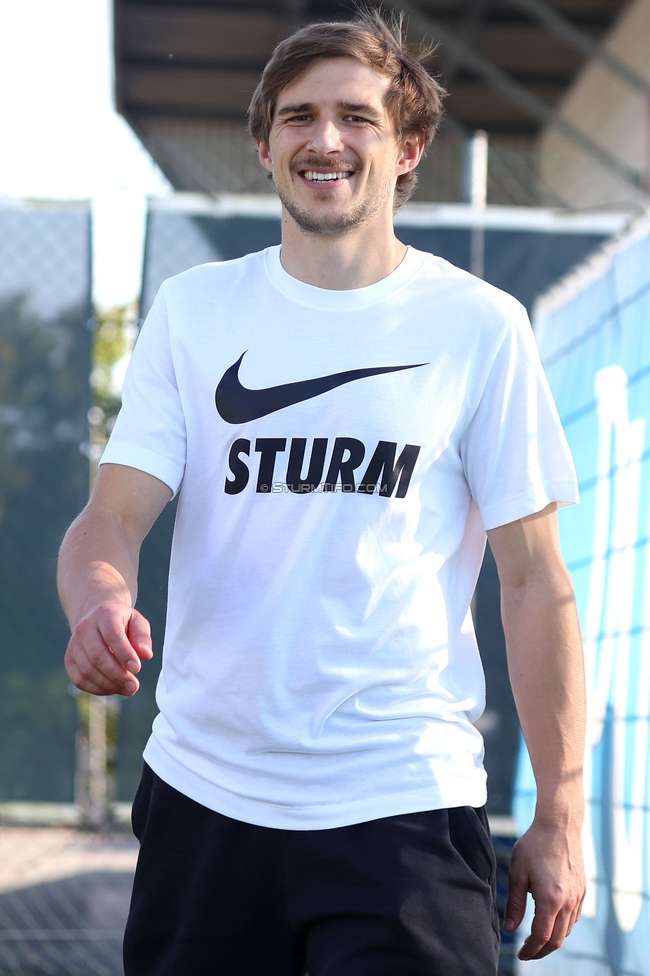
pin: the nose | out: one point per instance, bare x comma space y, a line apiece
325, 138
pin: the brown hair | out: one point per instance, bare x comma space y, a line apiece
413, 99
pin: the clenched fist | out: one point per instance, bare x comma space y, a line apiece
106, 650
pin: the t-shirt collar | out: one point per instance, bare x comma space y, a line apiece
346, 300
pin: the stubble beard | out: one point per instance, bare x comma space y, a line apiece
336, 223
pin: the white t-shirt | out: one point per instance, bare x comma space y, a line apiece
320, 666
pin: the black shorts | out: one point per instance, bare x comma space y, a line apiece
401, 896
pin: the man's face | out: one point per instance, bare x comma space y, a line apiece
333, 150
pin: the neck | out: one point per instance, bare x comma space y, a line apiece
353, 259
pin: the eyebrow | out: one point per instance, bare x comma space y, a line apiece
295, 109
356, 107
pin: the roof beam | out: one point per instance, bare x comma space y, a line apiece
177, 33
517, 93
199, 91
568, 32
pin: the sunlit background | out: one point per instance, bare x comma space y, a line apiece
61, 137
538, 182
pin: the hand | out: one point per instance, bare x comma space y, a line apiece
547, 861
106, 649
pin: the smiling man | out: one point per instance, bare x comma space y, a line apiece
345, 418
353, 159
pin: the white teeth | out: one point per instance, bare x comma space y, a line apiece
325, 177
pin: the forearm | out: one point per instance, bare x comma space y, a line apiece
547, 675
98, 569
97, 564
546, 672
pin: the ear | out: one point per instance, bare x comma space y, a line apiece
264, 154
411, 153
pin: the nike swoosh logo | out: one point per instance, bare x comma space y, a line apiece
238, 405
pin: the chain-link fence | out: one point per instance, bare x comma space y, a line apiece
595, 346
524, 250
522, 257
44, 399
45, 340
64, 897
64, 893
188, 230
209, 156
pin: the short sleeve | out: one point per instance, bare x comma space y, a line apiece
149, 432
514, 451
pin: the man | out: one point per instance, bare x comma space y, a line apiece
344, 417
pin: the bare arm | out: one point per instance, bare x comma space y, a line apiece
98, 568
547, 675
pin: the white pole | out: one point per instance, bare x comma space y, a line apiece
476, 176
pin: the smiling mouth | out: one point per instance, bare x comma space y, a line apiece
332, 177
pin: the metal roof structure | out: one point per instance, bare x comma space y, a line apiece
185, 71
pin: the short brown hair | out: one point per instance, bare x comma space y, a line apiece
413, 99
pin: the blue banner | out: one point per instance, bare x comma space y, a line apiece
594, 336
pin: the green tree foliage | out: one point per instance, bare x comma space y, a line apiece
40, 391
114, 337
44, 402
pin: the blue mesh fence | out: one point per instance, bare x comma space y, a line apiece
595, 342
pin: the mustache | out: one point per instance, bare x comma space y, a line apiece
332, 165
